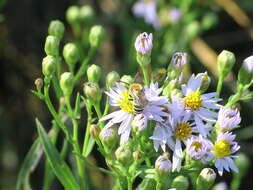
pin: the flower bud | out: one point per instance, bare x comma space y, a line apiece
94, 131
52, 46
96, 36
111, 78
144, 43
72, 14
205, 179
220, 186
48, 65
38, 83
159, 75
243, 163
109, 137
137, 155
180, 183
225, 62
205, 81
92, 92
124, 154
93, 73
71, 54
179, 59
245, 74
66, 83
209, 20
86, 14
192, 30
56, 28
126, 80
163, 166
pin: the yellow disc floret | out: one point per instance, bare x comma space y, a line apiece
193, 100
125, 103
196, 145
222, 148
183, 130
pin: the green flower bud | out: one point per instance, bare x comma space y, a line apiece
72, 14
86, 14
48, 65
39, 84
220, 186
137, 155
124, 155
209, 20
71, 54
243, 163
205, 81
163, 167
109, 137
192, 30
92, 92
56, 28
205, 179
180, 183
245, 74
159, 75
52, 45
66, 83
96, 35
225, 62
111, 78
94, 131
126, 80
94, 73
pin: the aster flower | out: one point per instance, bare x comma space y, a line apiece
147, 9
228, 119
119, 96
163, 164
144, 43
199, 148
179, 59
223, 150
199, 104
175, 15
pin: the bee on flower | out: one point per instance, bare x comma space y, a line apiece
130, 108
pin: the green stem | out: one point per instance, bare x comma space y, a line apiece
84, 66
98, 111
87, 131
219, 86
145, 74
129, 184
158, 185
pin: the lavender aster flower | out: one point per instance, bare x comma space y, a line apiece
179, 59
199, 148
175, 15
223, 150
248, 64
228, 119
143, 43
163, 164
147, 9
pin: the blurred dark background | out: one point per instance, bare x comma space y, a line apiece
22, 35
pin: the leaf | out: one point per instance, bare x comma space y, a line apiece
30, 162
78, 107
89, 147
60, 168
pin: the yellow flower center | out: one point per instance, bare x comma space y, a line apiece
125, 103
147, 1
222, 148
193, 100
196, 145
183, 130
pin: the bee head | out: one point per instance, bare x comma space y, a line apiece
135, 87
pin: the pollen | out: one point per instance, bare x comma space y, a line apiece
222, 148
183, 130
193, 100
125, 103
196, 145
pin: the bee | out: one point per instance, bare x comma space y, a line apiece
137, 96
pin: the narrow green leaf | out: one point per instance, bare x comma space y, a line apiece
60, 168
78, 106
29, 164
89, 147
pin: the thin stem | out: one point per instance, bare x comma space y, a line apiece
145, 74
158, 185
98, 111
129, 184
87, 131
219, 86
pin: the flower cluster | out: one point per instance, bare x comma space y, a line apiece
192, 120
